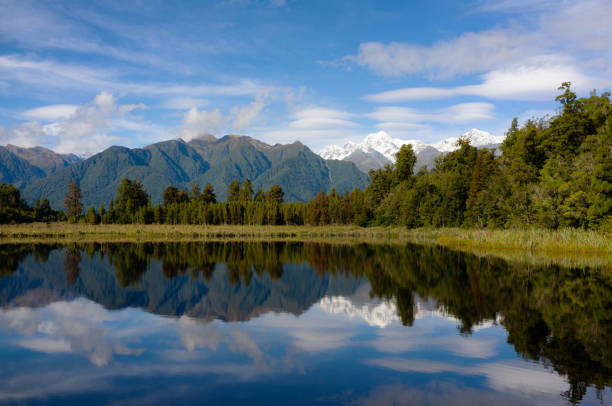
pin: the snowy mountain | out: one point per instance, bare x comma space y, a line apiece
379, 148
380, 142
478, 139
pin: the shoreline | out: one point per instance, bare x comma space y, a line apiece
568, 247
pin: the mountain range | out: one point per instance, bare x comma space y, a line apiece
40, 172
379, 149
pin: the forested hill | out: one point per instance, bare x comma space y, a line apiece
21, 166
300, 172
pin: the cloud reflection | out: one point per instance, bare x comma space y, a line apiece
75, 327
512, 376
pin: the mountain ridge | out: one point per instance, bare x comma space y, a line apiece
299, 171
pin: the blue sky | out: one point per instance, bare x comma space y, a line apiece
79, 77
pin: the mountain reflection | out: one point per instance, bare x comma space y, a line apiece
559, 317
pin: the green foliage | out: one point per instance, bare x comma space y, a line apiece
233, 191
208, 194
72, 202
553, 172
275, 194
245, 194
130, 203
91, 216
172, 194
404, 163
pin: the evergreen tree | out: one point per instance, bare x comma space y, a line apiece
259, 196
72, 202
233, 192
319, 209
91, 216
208, 194
130, 196
404, 163
194, 192
245, 193
172, 195
275, 194
43, 211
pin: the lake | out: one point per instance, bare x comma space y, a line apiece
298, 323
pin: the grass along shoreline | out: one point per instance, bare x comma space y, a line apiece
569, 247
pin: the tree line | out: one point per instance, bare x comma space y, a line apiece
551, 172
244, 206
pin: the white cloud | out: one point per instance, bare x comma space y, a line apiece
127, 108
51, 74
46, 73
403, 127
394, 116
50, 113
78, 129
313, 125
197, 123
244, 116
536, 81
584, 24
319, 118
469, 53
184, 103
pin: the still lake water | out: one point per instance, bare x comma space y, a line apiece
275, 323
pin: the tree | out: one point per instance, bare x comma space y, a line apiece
208, 194
233, 192
91, 216
130, 197
319, 209
194, 192
9, 196
379, 187
172, 194
275, 194
43, 211
72, 202
259, 196
404, 164
246, 191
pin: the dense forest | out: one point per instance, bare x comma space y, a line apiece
551, 172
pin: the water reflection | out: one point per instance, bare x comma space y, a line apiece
329, 320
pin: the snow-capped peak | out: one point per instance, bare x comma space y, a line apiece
388, 146
477, 138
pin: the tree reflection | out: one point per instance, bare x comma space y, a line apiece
72, 259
